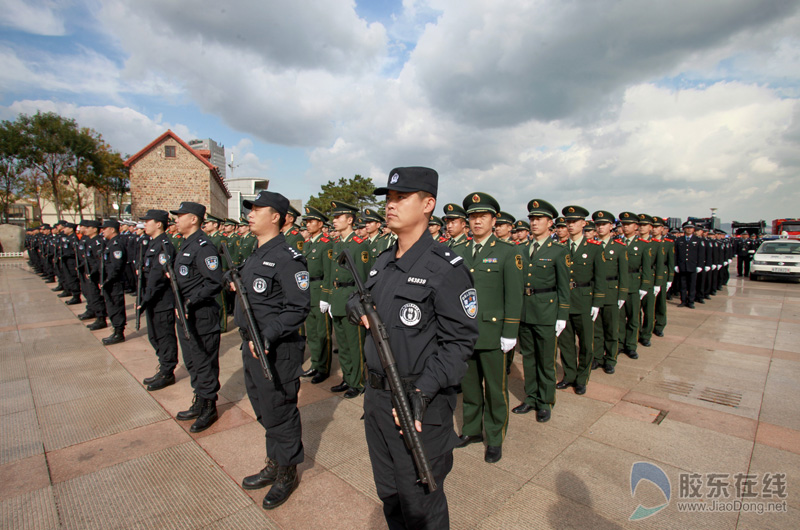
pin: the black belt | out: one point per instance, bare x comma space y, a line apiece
573, 285
634, 270
381, 382
337, 284
529, 291
612, 278
316, 278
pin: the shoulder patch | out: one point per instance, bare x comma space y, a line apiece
203, 242
294, 253
357, 239
324, 239
212, 262
294, 232
299, 245
669, 240
619, 242
518, 261
643, 240
593, 242
445, 253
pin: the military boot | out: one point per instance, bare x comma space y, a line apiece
263, 478
57, 288
88, 315
99, 323
74, 300
161, 381
114, 338
285, 484
64, 294
148, 380
193, 412
208, 415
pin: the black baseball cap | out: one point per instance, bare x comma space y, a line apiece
190, 207
411, 179
156, 215
111, 223
269, 198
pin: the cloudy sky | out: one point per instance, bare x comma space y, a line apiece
665, 107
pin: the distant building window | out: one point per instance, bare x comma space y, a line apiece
169, 151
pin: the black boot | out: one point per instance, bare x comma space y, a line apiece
263, 478
64, 294
285, 484
86, 316
114, 338
208, 415
161, 381
99, 323
57, 288
74, 300
193, 412
148, 380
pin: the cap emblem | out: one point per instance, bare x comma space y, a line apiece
307, 210
476, 198
449, 207
599, 214
571, 209
394, 179
535, 204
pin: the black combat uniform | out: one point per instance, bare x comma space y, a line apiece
112, 285
687, 265
427, 300
158, 304
199, 275
276, 280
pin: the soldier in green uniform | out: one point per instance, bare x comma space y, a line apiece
247, 242
374, 240
455, 219
174, 236
318, 322
590, 230
545, 308
211, 227
665, 270
496, 268
291, 231
587, 295
338, 285
521, 230
640, 280
614, 267
505, 223
435, 226
562, 235
649, 300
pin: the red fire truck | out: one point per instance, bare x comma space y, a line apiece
790, 226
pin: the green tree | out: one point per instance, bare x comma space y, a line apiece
12, 166
357, 191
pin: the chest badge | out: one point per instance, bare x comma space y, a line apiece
410, 314
469, 302
302, 280
584, 256
259, 285
183, 270
117, 254
635, 248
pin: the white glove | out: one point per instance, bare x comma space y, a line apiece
669, 286
507, 344
330, 311
324, 307
677, 269
642, 294
699, 269
561, 325
595, 312
620, 303
656, 290
708, 268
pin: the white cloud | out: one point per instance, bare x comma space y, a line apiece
39, 17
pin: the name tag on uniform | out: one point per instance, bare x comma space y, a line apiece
268, 263
415, 281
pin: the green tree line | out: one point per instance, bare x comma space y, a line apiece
49, 157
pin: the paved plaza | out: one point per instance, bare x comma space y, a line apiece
84, 446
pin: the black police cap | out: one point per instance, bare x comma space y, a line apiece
190, 207
411, 179
269, 198
111, 223
156, 215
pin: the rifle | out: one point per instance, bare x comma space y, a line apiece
102, 266
139, 286
399, 398
173, 281
252, 325
75, 250
86, 260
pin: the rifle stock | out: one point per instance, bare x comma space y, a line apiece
399, 398
252, 325
176, 291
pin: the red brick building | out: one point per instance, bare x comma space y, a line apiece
168, 171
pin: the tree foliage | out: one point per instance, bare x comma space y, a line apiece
357, 191
12, 166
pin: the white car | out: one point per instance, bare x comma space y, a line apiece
777, 258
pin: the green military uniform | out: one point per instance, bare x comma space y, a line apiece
640, 270
247, 243
546, 289
649, 300
588, 291
176, 239
505, 218
337, 288
614, 267
378, 243
664, 278
496, 269
318, 324
458, 243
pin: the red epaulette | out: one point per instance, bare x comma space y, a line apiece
469, 238
325, 240
563, 241
593, 242
442, 239
643, 240
294, 232
621, 242
357, 239
668, 239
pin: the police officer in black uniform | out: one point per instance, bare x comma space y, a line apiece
69, 243
112, 280
157, 299
427, 300
94, 246
199, 275
688, 253
277, 283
